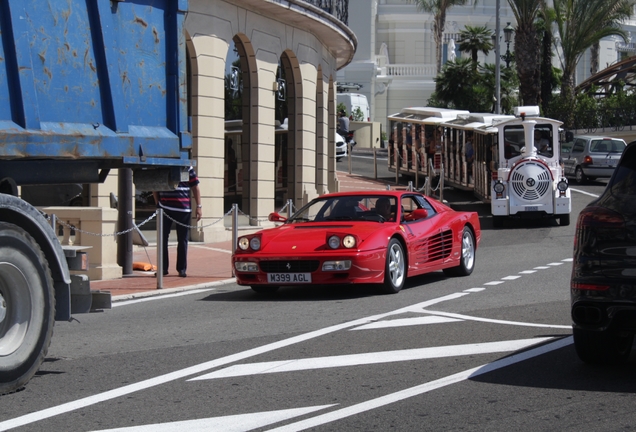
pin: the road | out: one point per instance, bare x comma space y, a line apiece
492, 351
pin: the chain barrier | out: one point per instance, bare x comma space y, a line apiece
154, 215
197, 226
439, 182
74, 228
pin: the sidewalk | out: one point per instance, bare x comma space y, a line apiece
209, 264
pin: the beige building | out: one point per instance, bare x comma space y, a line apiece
262, 93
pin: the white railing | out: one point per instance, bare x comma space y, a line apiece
408, 71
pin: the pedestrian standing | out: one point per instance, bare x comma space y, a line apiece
343, 124
176, 205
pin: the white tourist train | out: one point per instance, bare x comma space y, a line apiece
486, 154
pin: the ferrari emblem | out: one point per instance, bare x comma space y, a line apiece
293, 247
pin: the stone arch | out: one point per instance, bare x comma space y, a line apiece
331, 116
238, 184
294, 155
321, 137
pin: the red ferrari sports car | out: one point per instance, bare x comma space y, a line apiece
379, 237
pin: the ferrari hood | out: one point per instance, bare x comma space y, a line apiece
304, 238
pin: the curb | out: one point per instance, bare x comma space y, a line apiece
161, 292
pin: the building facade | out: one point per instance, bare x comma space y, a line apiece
395, 59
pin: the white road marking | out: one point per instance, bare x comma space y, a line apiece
200, 368
568, 259
541, 268
422, 388
227, 251
527, 272
584, 193
510, 278
555, 264
475, 290
494, 321
231, 423
370, 358
499, 282
403, 322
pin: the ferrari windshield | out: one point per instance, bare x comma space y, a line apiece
348, 208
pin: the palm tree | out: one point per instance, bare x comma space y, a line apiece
527, 49
455, 83
459, 86
438, 8
475, 39
580, 24
550, 76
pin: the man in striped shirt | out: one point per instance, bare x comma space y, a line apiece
176, 205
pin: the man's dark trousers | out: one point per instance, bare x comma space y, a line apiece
183, 232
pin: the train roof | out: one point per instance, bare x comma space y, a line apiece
427, 114
478, 120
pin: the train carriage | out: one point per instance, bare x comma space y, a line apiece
469, 151
487, 154
417, 139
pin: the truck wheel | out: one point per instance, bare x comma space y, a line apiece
27, 307
602, 347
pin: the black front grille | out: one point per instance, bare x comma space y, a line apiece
290, 266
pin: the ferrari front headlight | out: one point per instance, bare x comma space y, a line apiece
255, 243
334, 242
349, 241
243, 243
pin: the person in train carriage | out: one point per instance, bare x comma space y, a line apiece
469, 153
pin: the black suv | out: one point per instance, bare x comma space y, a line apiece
603, 283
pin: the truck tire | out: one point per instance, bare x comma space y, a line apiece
27, 307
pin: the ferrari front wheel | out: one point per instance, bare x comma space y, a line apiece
395, 268
467, 258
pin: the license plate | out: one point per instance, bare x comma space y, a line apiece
289, 278
531, 208
611, 163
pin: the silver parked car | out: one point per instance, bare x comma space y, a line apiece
589, 157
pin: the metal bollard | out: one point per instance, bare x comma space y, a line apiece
234, 229
375, 164
159, 248
290, 210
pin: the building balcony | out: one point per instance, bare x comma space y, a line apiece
337, 8
406, 72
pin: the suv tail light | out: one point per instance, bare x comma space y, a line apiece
592, 219
600, 217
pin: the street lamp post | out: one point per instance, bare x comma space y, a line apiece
497, 60
508, 56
